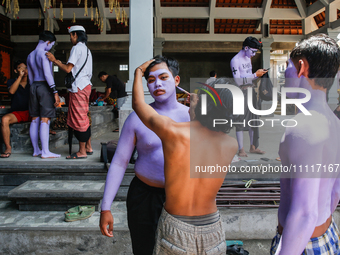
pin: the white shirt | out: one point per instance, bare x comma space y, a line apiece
77, 58
211, 79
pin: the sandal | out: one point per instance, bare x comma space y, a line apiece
79, 213
75, 156
5, 155
236, 250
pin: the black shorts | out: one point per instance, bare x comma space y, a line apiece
41, 103
144, 207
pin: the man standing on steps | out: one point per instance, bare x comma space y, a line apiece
310, 192
43, 94
146, 194
241, 68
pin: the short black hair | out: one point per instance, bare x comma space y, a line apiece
171, 63
251, 42
224, 111
82, 36
47, 36
323, 56
17, 63
101, 74
212, 73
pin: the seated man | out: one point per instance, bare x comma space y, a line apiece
190, 222
310, 193
20, 90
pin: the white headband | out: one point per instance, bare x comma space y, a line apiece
76, 28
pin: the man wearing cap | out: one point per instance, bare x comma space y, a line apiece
242, 72
43, 95
77, 117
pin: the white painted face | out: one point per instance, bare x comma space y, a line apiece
250, 52
161, 83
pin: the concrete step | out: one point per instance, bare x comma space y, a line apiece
56, 195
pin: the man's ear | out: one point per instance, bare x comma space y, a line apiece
177, 80
246, 48
15, 70
303, 68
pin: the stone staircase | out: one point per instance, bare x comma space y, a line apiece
17, 174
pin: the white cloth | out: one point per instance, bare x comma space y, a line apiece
211, 79
77, 58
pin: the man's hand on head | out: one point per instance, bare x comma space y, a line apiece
145, 65
260, 72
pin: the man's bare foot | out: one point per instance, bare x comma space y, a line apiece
37, 153
242, 153
257, 150
50, 155
52, 132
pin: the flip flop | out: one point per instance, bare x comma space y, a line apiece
75, 156
89, 152
116, 130
5, 155
236, 250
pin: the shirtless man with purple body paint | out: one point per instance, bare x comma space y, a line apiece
43, 94
242, 72
308, 199
146, 194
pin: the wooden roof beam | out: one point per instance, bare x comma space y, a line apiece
211, 22
301, 5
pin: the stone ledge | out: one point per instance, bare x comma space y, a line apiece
57, 195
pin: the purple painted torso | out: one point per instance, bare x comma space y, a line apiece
306, 203
150, 163
38, 65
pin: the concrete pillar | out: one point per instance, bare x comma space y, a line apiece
266, 43
140, 49
158, 46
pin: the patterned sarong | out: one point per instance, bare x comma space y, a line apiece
327, 244
78, 108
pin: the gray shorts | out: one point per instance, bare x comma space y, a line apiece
175, 237
120, 102
41, 103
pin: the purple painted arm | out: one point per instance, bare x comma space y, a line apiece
29, 70
47, 69
304, 192
121, 158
